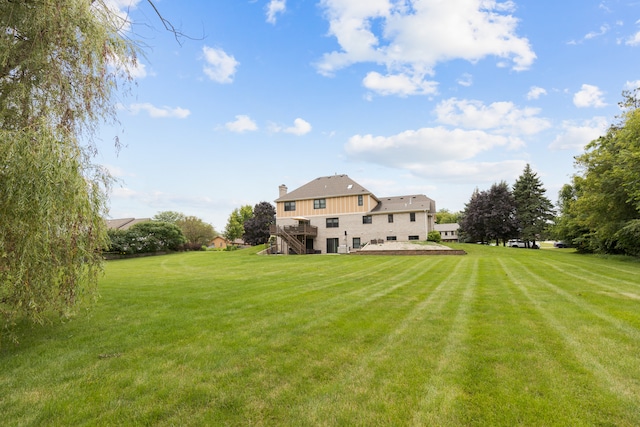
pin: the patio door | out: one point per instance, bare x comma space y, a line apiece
332, 245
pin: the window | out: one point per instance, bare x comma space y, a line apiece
360, 200
289, 206
412, 216
367, 219
414, 237
319, 203
390, 217
332, 222
356, 243
391, 238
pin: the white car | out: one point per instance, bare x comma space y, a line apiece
517, 243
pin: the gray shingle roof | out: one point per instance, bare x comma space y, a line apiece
325, 186
124, 223
416, 202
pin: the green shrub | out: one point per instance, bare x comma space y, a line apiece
434, 236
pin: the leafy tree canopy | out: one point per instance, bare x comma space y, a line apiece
197, 232
256, 228
444, 216
169, 216
60, 65
235, 224
600, 209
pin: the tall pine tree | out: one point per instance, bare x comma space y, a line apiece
534, 210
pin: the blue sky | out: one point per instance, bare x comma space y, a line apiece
406, 97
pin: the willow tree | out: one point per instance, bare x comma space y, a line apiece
61, 63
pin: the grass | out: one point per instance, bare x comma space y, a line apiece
500, 336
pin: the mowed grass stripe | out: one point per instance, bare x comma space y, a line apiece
608, 356
443, 389
590, 296
400, 360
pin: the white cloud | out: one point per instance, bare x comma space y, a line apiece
221, 66
116, 12
500, 117
300, 127
634, 40
274, 8
410, 39
604, 29
465, 80
589, 96
575, 135
398, 84
241, 124
425, 146
631, 85
157, 112
536, 92
133, 67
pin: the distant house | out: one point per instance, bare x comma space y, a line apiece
124, 223
219, 242
448, 232
334, 214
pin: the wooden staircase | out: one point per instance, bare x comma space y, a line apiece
295, 237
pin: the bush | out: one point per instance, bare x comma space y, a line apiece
434, 236
144, 237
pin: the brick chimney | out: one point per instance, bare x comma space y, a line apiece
283, 190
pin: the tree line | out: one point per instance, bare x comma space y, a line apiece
503, 212
600, 207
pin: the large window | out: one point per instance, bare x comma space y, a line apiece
332, 223
412, 216
390, 217
289, 206
319, 203
360, 200
367, 219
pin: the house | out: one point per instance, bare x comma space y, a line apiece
219, 242
124, 223
448, 232
334, 214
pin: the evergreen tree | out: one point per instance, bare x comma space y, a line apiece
534, 211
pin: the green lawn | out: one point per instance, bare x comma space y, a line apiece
500, 336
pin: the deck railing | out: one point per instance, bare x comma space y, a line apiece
296, 230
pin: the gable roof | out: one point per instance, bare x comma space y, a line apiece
416, 202
124, 223
326, 186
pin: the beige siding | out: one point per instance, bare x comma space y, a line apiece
334, 206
